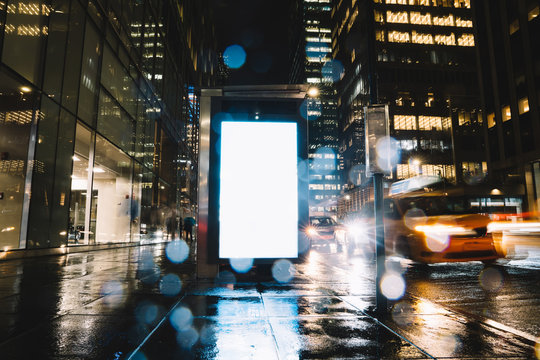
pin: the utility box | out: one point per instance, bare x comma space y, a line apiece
253, 179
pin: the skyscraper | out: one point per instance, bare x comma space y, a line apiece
312, 64
509, 66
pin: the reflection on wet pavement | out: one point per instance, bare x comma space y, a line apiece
137, 303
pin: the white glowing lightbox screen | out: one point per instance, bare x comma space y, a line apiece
258, 200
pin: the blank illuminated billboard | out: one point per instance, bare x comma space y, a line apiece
258, 199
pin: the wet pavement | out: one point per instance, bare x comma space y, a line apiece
145, 302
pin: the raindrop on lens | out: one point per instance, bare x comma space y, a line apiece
146, 312
225, 277
241, 265
491, 279
170, 285
112, 292
403, 313
234, 56
181, 318
332, 71
393, 286
187, 338
283, 270
177, 251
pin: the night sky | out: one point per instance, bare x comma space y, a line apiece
261, 28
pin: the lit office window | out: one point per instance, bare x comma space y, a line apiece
533, 13
445, 39
462, 4
446, 123
379, 17
429, 122
491, 120
404, 122
506, 113
447, 20
419, 38
400, 17
466, 40
408, 145
379, 35
464, 118
399, 37
513, 27
463, 22
420, 19
523, 105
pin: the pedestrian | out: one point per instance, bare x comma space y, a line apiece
189, 222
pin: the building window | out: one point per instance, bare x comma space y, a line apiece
523, 105
533, 13
404, 122
429, 122
447, 20
445, 39
491, 120
419, 38
399, 37
420, 19
463, 22
400, 17
506, 113
513, 27
466, 40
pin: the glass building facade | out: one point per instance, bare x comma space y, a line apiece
312, 64
508, 34
98, 118
417, 56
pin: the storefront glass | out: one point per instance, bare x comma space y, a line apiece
111, 190
16, 117
81, 179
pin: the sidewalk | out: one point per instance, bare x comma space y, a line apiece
135, 303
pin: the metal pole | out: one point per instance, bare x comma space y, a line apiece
381, 302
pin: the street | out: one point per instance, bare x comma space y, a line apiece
144, 303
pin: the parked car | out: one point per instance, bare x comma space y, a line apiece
324, 231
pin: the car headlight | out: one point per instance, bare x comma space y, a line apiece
311, 231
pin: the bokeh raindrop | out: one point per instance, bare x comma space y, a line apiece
181, 318
332, 71
283, 270
403, 313
324, 161
187, 338
146, 312
234, 56
388, 153
112, 292
311, 109
392, 286
170, 285
225, 277
241, 265
177, 251
490, 279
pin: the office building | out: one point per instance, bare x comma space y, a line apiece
507, 33
99, 118
312, 64
418, 57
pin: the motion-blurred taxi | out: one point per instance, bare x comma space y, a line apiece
428, 227
514, 233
